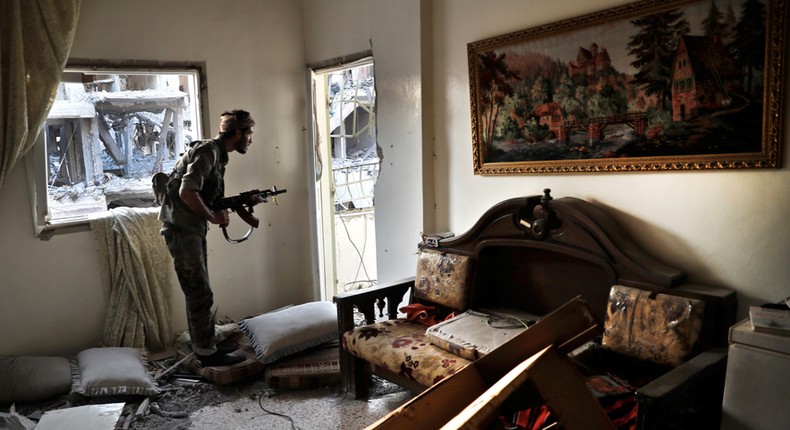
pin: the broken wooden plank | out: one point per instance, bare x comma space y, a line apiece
142, 410
556, 381
566, 328
172, 368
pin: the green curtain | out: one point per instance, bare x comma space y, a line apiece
35, 41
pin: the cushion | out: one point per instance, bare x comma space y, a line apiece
277, 334
223, 375
442, 278
30, 379
312, 368
402, 346
473, 334
660, 328
110, 372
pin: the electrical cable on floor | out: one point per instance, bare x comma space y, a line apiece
291, 420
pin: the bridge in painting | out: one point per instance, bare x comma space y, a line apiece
594, 127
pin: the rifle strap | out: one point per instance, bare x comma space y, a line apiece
242, 239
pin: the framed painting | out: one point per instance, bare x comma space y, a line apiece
649, 86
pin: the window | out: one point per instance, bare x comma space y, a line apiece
108, 131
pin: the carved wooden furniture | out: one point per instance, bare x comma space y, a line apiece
526, 369
535, 254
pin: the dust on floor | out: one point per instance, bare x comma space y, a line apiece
197, 405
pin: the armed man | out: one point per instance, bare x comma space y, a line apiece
197, 181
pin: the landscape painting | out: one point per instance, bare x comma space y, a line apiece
653, 85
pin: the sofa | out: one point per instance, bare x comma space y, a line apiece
529, 256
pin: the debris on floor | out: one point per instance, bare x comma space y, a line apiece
90, 417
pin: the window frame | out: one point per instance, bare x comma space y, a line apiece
35, 160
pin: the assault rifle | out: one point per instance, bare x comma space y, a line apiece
242, 204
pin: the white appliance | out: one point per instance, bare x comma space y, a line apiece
757, 387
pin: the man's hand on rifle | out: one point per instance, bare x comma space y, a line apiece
256, 198
220, 217
195, 202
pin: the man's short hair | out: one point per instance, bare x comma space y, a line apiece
230, 121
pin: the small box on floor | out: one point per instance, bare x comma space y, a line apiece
315, 367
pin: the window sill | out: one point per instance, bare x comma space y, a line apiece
47, 231
81, 222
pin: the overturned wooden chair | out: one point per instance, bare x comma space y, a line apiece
530, 369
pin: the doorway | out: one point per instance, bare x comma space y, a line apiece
346, 168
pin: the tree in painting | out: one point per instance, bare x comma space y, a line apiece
662, 84
653, 48
713, 24
495, 87
749, 41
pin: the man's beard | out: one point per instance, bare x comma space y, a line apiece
241, 147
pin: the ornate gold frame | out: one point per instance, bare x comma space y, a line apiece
535, 40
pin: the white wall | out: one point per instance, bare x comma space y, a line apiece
396, 34
725, 228
394, 31
51, 298
333, 29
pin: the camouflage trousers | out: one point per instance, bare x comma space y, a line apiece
189, 257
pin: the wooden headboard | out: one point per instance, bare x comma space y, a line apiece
536, 253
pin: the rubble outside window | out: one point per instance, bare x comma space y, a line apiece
108, 132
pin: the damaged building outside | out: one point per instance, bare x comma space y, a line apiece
107, 134
350, 122
109, 131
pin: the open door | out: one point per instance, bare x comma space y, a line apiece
346, 168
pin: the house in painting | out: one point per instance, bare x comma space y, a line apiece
704, 77
550, 115
590, 61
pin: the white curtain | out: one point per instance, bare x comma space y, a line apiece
35, 41
136, 269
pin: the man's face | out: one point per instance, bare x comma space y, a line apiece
244, 141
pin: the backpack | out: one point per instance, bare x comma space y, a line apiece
159, 183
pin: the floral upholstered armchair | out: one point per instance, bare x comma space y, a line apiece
530, 255
398, 348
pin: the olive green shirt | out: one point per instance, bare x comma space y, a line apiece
202, 169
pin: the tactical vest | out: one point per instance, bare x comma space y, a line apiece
167, 186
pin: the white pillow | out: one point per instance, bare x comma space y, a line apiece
110, 372
283, 332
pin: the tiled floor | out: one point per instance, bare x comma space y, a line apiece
319, 408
